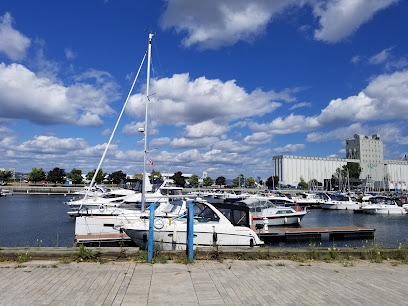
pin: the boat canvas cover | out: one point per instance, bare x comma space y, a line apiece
237, 214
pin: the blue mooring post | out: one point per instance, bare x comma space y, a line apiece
150, 238
190, 232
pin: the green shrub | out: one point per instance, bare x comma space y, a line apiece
23, 257
86, 254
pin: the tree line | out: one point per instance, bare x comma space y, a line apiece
59, 176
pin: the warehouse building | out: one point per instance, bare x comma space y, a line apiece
366, 150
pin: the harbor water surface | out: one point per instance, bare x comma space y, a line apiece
42, 220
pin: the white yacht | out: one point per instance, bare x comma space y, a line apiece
111, 198
382, 205
226, 226
132, 202
103, 226
309, 199
264, 211
340, 202
94, 191
5, 192
223, 196
280, 199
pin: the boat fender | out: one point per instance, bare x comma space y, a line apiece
158, 223
214, 238
144, 238
251, 242
297, 208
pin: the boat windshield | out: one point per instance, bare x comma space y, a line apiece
339, 197
165, 191
259, 205
202, 213
381, 201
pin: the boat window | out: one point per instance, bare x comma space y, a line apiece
240, 217
207, 215
270, 205
236, 217
281, 212
226, 213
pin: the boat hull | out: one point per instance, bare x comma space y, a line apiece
279, 220
340, 206
173, 236
384, 211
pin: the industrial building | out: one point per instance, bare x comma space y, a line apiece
368, 151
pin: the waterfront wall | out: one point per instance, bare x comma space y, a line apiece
43, 189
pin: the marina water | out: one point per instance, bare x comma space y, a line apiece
42, 220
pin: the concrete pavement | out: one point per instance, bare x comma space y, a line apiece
262, 282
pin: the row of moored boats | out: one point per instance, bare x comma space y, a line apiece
104, 216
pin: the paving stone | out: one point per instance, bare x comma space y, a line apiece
204, 283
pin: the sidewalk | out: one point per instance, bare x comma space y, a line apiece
262, 282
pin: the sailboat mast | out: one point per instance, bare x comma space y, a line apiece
145, 125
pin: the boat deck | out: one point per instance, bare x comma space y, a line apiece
283, 234
104, 240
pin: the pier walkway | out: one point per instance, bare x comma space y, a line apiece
262, 282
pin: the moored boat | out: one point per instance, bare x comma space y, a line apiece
382, 205
5, 192
226, 225
263, 211
340, 202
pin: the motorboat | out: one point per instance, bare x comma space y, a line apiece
382, 205
111, 198
102, 226
214, 225
222, 196
264, 211
132, 201
93, 191
340, 201
5, 192
280, 199
309, 199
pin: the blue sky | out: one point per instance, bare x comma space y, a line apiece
235, 82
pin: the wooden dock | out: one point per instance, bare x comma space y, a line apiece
284, 234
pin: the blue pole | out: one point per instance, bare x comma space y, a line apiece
190, 232
150, 238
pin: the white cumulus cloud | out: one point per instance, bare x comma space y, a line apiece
386, 97
216, 23
290, 124
205, 128
289, 148
203, 142
212, 23
181, 101
25, 95
52, 144
12, 42
340, 18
